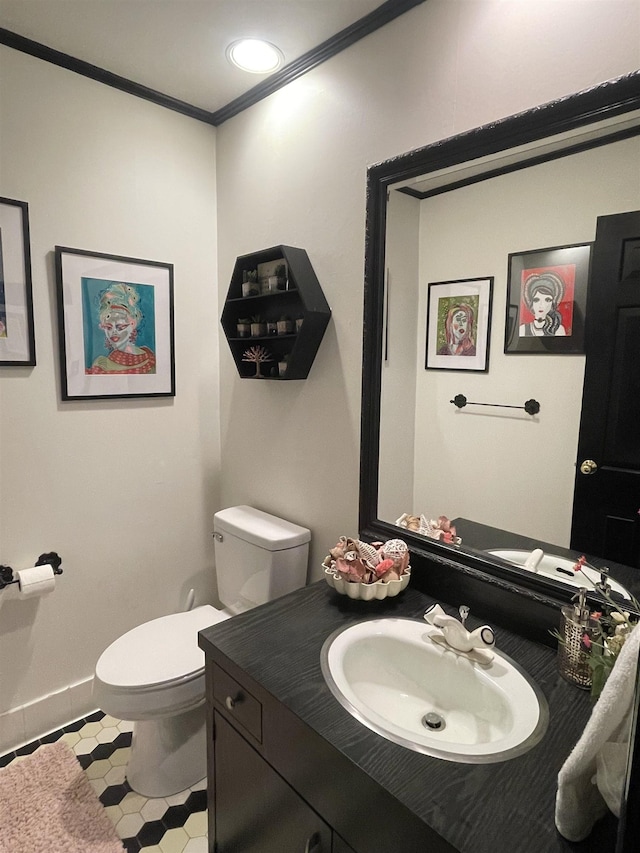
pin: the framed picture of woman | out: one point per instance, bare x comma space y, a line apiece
17, 340
546, 300
458, 324
116, 326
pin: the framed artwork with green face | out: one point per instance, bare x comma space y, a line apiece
116, 326
458, 324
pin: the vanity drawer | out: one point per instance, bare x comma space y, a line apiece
238, 704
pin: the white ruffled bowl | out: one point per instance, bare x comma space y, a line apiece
366, 591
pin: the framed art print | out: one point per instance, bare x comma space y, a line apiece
17, 342
458, 324
116, 326
547, 300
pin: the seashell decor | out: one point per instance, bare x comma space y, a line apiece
368, 570
440, 528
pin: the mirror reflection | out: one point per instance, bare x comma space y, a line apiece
504, 477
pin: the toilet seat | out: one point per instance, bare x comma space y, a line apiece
156, 668
161, 651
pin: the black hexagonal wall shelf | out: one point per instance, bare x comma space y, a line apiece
275, 314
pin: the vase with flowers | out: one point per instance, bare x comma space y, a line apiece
590, 641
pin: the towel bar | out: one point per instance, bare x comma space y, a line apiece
531, 407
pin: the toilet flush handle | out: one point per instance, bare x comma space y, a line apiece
218, 537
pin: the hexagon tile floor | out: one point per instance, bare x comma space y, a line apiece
176, 824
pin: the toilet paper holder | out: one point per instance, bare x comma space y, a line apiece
51, 558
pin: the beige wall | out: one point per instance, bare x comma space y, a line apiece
500, 467
496, 466
293, 170
124, 490
400, 358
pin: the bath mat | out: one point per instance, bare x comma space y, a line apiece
47, 805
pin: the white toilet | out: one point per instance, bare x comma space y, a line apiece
154, 674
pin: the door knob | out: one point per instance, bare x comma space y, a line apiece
588, 467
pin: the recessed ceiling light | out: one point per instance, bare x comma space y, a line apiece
255, 55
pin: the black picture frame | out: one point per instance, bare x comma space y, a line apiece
472, 298
116, 326
17, 338
556, 279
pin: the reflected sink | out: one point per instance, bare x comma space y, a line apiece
394, 679
559, 568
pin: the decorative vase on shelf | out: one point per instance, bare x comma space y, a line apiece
250, 283
285, 326
282, 282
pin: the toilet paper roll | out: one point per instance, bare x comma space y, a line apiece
39, 580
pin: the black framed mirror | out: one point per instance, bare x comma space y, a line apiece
545, 137
581, 129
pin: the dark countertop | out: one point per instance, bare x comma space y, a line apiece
484, 808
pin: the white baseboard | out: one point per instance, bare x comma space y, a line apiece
26, 723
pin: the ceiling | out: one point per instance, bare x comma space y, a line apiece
177, 47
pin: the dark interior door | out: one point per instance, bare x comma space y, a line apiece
606, 521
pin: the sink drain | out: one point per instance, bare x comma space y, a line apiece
433, 721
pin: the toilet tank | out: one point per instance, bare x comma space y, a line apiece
259, 557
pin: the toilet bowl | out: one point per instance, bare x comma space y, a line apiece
154, 676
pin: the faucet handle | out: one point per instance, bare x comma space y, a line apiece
603, 585
463, 610
433, 611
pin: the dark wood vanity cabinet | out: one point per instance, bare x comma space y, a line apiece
290, 770
252, 809
256, 810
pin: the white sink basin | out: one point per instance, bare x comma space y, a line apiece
560, 569
390, 675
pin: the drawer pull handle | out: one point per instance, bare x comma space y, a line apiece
314, 844
232, 701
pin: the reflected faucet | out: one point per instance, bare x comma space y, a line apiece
534, 559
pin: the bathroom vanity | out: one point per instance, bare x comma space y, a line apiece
291, 770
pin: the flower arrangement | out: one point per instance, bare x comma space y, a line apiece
361, 562
614, 626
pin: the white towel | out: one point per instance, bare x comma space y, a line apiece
593, 776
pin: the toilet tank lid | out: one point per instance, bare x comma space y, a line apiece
260, 528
